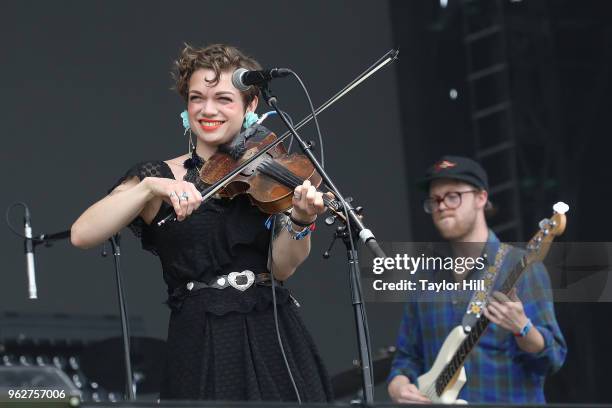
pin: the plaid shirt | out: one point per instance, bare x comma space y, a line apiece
497, 369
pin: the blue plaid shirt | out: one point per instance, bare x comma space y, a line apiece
497, 369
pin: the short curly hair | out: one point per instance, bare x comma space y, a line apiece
217, 57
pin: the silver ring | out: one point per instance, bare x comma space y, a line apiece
173, 194
297, 195
184, 196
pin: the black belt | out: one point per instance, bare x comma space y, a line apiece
238, 280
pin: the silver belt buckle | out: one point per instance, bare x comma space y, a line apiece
232, 279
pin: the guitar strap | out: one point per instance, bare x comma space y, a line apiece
479, 299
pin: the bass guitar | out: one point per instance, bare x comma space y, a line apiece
442, 383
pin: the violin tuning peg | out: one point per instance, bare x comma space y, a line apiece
348, 199
359, 210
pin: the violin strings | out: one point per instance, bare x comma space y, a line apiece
279, 173
283, 175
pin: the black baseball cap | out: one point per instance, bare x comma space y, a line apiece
457, 168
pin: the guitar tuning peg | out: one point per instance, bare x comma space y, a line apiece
544, 223
560, 207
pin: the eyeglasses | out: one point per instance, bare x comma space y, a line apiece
451, 200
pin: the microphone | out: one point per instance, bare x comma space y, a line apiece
29, 251
243, 78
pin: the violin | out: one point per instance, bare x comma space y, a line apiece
269, 180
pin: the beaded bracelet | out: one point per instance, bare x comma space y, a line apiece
297, 235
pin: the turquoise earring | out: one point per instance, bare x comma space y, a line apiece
185, 117
249, 119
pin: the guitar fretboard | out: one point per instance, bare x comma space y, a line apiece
477, 331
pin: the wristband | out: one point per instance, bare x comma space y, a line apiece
525, 329
299, 223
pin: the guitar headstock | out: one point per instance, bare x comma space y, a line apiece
552, 227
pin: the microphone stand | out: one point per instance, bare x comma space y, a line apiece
352, 221
31, 243
48, 240
125, 327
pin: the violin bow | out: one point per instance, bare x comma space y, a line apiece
389, 57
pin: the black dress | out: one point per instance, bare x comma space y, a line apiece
222, 343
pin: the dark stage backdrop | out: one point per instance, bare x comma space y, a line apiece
85, 95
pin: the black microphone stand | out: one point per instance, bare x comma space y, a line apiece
125, 327
48, 240
33, 242
352, 222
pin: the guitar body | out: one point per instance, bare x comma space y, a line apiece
427, 382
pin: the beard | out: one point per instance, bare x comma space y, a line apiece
455, 228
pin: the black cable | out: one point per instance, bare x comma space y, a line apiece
290, 120
314, 116
348, 223
287, 116
8, 221
350, 234
273, 286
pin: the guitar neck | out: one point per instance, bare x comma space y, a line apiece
477, 331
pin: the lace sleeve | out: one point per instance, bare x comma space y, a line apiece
142, 170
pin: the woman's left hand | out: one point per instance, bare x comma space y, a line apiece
507, 312
307, 203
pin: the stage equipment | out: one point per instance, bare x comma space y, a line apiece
30, 243
71, 343
100, 360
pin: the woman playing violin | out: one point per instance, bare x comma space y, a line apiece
222, 336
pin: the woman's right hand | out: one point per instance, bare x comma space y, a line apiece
182, 195
402, 391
